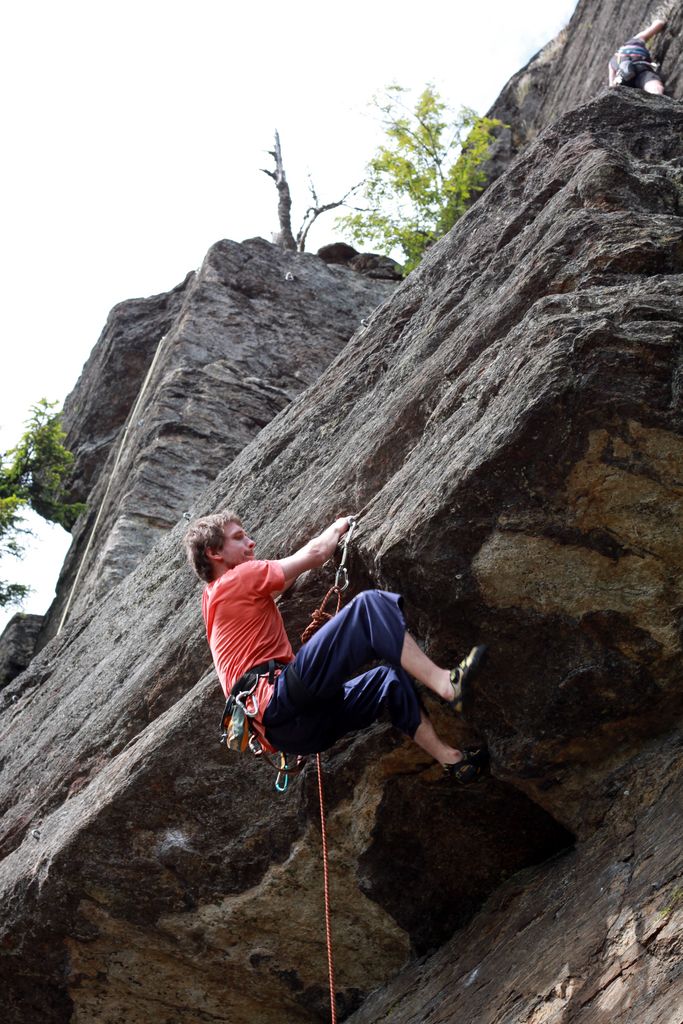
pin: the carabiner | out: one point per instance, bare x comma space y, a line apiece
242, 699
341, 575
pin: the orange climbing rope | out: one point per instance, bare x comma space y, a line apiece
318, 619
326, 881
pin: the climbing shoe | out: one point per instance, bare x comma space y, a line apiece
462, 673
474, 765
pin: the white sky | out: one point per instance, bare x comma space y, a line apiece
134, 132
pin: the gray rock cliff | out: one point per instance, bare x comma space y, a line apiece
178, 384
510, 428
572, 69
96, 410
17, 645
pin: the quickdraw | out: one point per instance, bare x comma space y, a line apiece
341, 581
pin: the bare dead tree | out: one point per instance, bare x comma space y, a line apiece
313, 212
285, 238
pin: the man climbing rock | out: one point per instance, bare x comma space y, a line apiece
632, 64
304, 704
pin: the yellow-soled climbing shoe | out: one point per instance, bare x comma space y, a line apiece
462, 673
474, 765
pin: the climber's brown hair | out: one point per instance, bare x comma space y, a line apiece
207, 532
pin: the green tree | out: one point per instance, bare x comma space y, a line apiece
32, 475
424, 177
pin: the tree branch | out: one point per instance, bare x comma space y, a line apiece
313, 212
284, 238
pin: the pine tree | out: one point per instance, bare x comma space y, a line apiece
32, 475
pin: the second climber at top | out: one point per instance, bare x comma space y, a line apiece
632, 64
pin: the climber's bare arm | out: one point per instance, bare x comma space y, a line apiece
651, 30
612, 76
315, 553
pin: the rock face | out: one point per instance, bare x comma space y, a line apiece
572, 69
97, 408
510, 428
593, 937
178, 384
17, 644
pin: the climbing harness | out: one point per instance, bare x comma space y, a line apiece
627, 69
241, 706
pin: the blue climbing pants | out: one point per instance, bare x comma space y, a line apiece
369, 628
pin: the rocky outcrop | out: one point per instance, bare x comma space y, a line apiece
96, 410
372, 264
178, 384
572, 69
17, 644
593, 937
510, 428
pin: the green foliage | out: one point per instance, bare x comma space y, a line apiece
32, 475
423, 179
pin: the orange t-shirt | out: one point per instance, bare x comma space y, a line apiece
243, 624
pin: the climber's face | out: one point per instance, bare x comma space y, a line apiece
237, 547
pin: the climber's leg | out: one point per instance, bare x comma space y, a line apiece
654, 86
427, 738
371, 627
359, 703
417, 664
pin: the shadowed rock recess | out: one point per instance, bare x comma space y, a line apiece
509, 426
